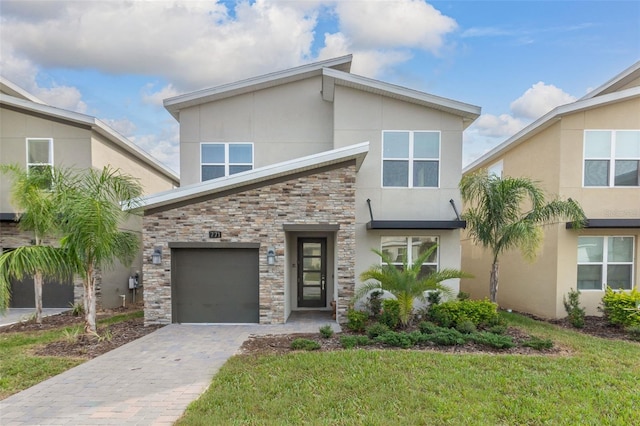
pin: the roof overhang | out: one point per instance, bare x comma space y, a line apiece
16, 91
260, 175
333, 77
416, 224
620, 80
608, 223
177, 103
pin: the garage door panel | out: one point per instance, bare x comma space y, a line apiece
215, 285
54, 294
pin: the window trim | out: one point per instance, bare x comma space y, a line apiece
605, 262
50, 163
411, 159
611, 158
226, 164
409, 240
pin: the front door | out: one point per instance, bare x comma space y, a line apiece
312, 272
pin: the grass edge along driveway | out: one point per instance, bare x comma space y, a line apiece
598, 384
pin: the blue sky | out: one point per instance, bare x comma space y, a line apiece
117, 60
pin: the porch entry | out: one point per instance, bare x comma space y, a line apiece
312, 272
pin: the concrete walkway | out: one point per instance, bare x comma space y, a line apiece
14, 315
149, 381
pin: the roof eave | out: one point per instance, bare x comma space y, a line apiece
619, 80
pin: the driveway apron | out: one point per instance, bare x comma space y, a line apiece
149, 381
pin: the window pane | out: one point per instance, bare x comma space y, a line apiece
620, 249
240, 153
213, 153
597, 144
395, 145
421, 244
312, 263
596, 173
395, 173
628, 144
394, 247
426, 270
626, 173
312, 278
44, 176
425, 173
212, 172
237, 169
589, 277
39, 151
619, 277
312, 249
590, 249
311, 293
426, 145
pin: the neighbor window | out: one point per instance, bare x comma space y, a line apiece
39, 155
605, 261
410, 159
225, 159
397, 248
611, 158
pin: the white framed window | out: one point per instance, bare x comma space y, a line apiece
218, 159
611, 158
40, 155
410, 159
605, 260
396, 248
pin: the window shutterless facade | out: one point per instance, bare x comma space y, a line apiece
410, 159
224, 159
396, 248
611, 158
40, 156
606, 260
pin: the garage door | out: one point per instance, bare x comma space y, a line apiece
215, 285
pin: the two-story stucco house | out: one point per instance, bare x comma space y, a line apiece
34, 134
289, 180
588, 150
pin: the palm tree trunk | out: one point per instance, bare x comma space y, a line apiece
493, 282
37, 290
90, 303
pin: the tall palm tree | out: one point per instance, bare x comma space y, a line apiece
507, 213
92, 206
32, 195
405, 283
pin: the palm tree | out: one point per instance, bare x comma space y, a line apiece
92, 206
32, 195
405, 283
506, 213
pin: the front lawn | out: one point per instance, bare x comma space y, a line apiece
597, 383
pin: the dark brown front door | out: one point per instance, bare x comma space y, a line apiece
312, 272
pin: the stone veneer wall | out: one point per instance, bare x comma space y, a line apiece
257, 215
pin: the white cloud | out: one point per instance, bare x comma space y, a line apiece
124, 126
502, 125
164, 146
156, 98
539, 100
65, 97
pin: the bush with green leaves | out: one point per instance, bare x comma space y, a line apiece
466, 327
305, 345
400, 339
463, 296
356, 320
575, 312
497, 329
427, 327
634, 332
493, 340
375, 330
434, 297
326, 331
622, 308
351, 341
538, 343
390, 315
375, 303
449, 314
447, 337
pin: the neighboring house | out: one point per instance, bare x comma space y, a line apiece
34, 134
588, 150
289, 180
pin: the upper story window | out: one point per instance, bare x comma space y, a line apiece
396, 248
611, 158
224, 159
605, 261
410, 159
40, 156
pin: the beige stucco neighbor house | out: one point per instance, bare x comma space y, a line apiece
588, 150
289, 180
34, 134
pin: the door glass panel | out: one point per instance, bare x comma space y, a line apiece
312, 263
311, 278
311, 293
312, 249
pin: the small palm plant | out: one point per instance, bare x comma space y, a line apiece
406, 283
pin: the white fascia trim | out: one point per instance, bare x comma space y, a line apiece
353, 152
624, 77
176, 103
17, 91
458, 108
94, 124
548, 119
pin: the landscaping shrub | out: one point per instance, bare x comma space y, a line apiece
622, 308
538, 343
375, 303
326, 331
466, 327
463, 296
305, 345
493, 340
575, 312
634, 332
356, 320
390, 313
447, 337
376, 330
350, 342
434, 297
450, 314
497, 329
399, 339
428, 327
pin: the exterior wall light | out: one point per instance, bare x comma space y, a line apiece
156, 257
271, 256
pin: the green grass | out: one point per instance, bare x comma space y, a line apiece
21, 369
595, 384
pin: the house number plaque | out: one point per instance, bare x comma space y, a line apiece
215, 234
